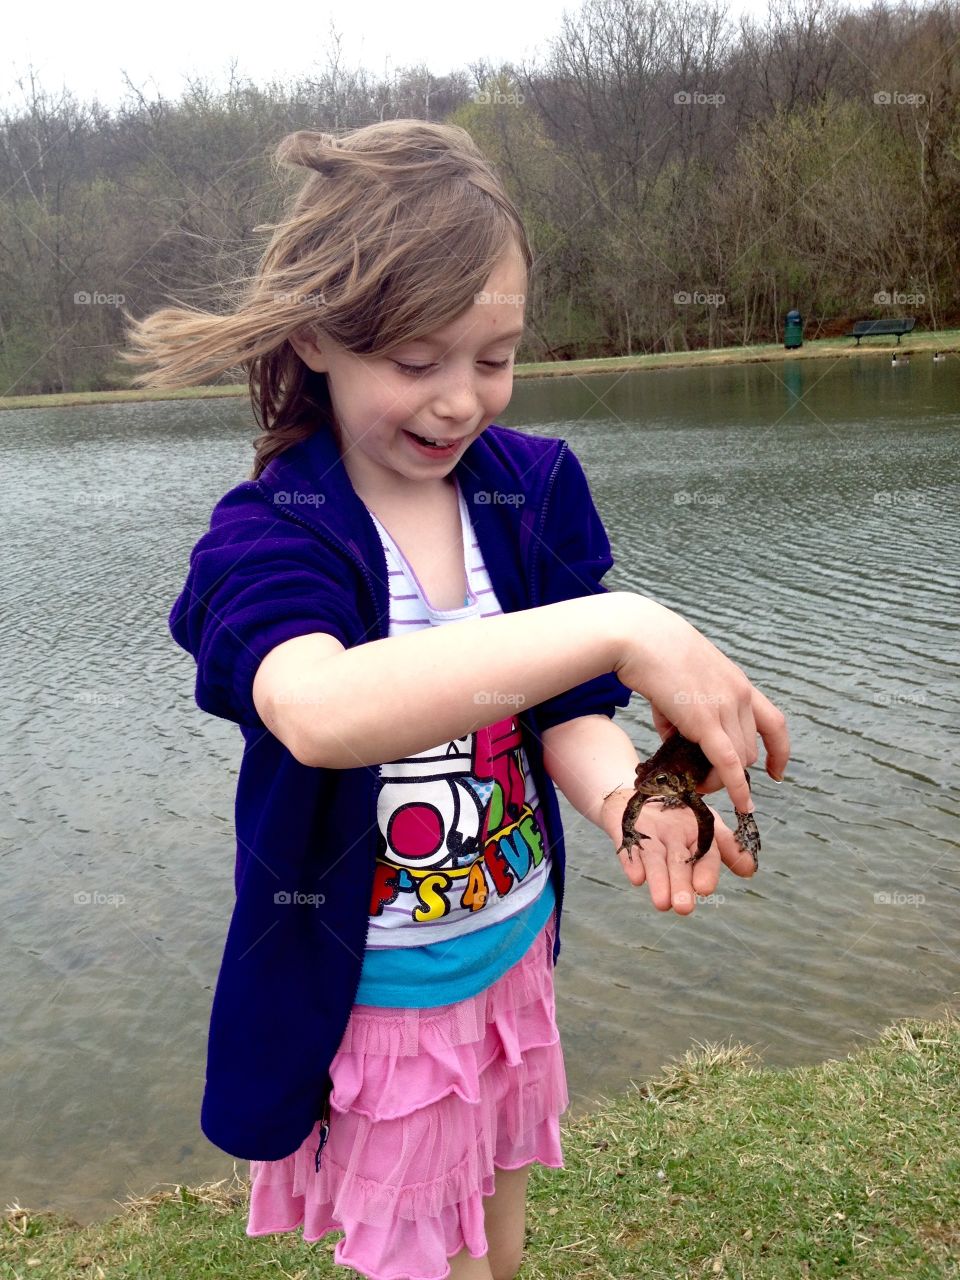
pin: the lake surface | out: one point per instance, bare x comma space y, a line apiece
804, 515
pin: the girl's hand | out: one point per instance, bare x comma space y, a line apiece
691, 685
662, 859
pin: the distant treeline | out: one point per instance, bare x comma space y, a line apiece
686, 181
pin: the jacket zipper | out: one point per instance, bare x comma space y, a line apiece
324, 1126
534, 599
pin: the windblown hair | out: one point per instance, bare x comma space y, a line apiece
392, 233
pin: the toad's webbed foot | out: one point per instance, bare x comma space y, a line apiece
748, 837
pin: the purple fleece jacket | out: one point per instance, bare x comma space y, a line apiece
296, 552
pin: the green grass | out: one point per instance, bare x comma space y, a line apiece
946, 340
718, 1167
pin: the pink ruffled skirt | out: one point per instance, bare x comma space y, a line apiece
426, 1105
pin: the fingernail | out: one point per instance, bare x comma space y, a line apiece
776, 779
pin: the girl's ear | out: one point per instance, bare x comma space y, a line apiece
305, 342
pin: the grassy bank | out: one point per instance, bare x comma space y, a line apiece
718, 1167
945, 340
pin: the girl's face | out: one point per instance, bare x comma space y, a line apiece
446, 388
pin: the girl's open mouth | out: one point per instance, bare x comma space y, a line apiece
435, 447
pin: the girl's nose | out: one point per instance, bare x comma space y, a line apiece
457, 400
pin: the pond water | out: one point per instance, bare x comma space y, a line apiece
804, 515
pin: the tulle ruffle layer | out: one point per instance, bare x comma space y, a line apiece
426, 1105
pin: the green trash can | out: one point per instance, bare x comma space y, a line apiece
793, 330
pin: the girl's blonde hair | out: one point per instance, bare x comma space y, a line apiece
391, 236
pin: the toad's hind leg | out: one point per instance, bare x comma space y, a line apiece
705, 826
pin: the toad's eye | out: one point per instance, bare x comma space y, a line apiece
662, 779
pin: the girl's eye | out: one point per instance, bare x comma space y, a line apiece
414, 369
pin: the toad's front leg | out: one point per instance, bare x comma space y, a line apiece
631, 836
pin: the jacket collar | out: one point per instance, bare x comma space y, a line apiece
504, 476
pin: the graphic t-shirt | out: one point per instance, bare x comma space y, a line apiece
462, 883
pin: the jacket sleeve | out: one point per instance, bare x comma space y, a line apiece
255, 580
574, 557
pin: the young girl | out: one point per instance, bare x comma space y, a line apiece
402, 610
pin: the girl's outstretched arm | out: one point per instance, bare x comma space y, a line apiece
340, 708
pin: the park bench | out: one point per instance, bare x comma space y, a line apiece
867, 328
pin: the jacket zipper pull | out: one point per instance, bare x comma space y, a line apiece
324, 1130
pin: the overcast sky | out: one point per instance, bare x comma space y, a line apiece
87, 48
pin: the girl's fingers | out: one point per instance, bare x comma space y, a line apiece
723, 754
748, 733
738, 860
653, 854
772, 727
661, 723
632, 864
706, 870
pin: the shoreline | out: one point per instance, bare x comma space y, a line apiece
718, 1165
946, 341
